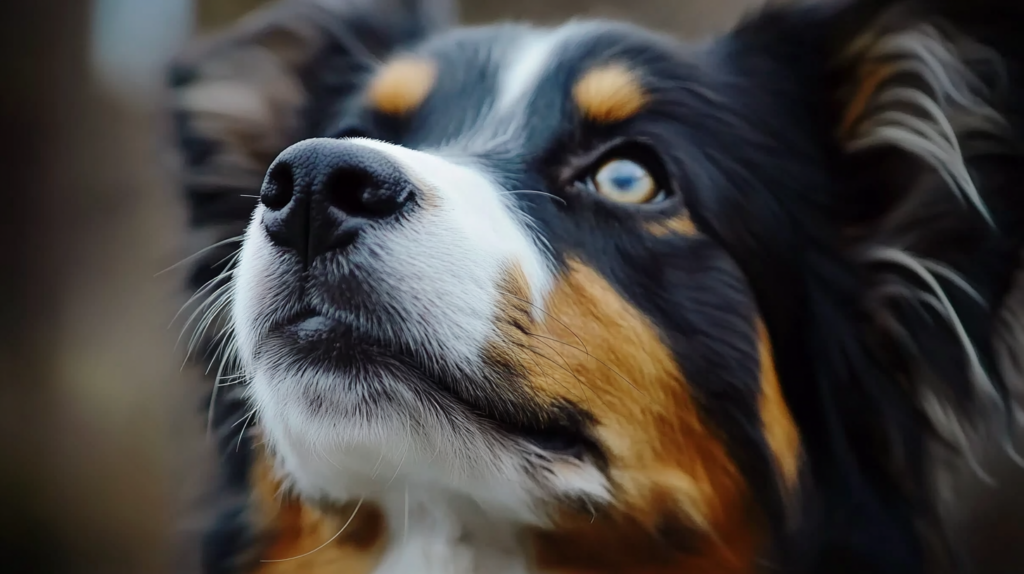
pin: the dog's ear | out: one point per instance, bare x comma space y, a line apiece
243, 95
884, 241
932, 127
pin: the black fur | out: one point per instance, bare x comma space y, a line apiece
844, 377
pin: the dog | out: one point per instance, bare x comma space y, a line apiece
590, 298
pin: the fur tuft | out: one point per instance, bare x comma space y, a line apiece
928, 93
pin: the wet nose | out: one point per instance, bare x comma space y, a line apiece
319, 194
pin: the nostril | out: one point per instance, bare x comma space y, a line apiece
357, 193
278, 187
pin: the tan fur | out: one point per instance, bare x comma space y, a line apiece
609, 93
402, 85
296, 528
870, 79
776, 420
678, 225
617, 543
668, 470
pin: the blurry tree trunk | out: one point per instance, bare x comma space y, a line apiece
212, 14
81, 408
685, 18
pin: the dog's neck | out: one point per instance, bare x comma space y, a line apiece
387, 526
432, 532
415, 528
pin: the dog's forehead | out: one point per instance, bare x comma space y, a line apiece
504, 92
522, 48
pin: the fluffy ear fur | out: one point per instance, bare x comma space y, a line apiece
886, 271
239, 99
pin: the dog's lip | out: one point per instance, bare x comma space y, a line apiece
306, 322
311, 326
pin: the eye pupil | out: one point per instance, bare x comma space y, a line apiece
625, 181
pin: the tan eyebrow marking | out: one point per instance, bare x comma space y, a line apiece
402, 85
609, 93
678, 225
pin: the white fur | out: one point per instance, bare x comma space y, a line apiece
523, 66
448, 535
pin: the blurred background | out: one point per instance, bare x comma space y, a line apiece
102, 431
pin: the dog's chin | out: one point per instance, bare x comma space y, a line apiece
348, 417
324, 342
359, 388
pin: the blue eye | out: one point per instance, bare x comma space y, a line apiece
625, 181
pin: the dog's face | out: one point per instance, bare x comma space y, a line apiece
540, 272
488, 281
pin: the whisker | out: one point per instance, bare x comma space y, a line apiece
211, 409
199, 293
224, 337
571, 372
587, 353
241, 435
545, 372
530, 221
212, 299
244, 418
584, 350
405, 451
202, 291
531, 191
200, 252
210, 309
212, 312
228, 356
376, 467
230, 259
549, 315
332, 539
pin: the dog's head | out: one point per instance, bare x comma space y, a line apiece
672, 303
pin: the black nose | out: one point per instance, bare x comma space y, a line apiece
320, 193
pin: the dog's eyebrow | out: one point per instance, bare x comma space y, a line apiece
609, 93
401, 85
678, 225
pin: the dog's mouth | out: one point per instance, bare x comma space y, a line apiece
494, 403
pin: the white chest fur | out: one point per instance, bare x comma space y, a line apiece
436, 533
